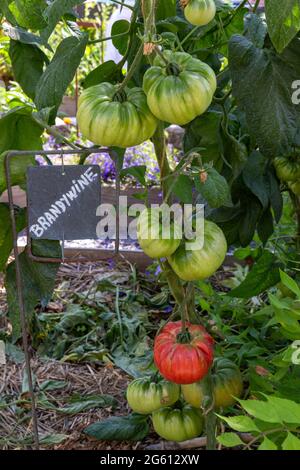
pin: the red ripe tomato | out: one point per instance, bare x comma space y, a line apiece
183, 357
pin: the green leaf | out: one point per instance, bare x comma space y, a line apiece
107, 72
165, 9
87, 403
230, 439
182, 187
51, 439
215, 189
204, 132
6, 242
275, 195
249, 219
18, 131
4, 9
29, 13
256, 29
264, 274
283, 20
261, 410
240, 423
118, 428
289, 283
137, 171
265, 226
20, 34
14, 353
267, 444
287, 410
60, 72
49, 385
273, 120
55, 11
291, 442
27, 62
38, 281
253, 176
120, 27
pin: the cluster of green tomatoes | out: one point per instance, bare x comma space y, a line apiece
176, 89
176, 409
288, 171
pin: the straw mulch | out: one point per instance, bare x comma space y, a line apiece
82, 380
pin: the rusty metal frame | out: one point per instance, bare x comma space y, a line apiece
20, 295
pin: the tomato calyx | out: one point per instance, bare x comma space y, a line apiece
184, 337
120, 96
173, 69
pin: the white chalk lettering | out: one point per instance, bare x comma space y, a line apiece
50, 218
60, 206
43, 222
72, 194
36, 230
90, 176
54, 210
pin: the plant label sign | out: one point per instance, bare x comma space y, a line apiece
62, 201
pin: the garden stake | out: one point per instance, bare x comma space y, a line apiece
21, 299
7, 158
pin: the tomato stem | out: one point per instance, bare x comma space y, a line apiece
132, 69
210, 416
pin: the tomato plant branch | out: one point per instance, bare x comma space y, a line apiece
125, 5
55, 133
209, 413
96, 41
132, 69
296, 204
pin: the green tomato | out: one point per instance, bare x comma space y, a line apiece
179, 92
200, 12
175, 424
111, 118
145, 396
227, 384
295, 187
198, 264
287, 168
151, 236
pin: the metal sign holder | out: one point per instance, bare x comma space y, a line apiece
20, 294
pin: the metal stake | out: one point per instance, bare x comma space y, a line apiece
21, 303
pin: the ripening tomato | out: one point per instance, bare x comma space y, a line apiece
146, 395
180, 90
199, 12
295, 187
155, 237
183, 357
111, 118
288, 168
198, 264
227, 384
178, 424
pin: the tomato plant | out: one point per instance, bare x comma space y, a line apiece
183, 353
147, 395
227, 385
178, 424
228, 76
